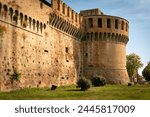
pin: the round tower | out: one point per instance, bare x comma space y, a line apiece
104, 46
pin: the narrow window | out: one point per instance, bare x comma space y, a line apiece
5, 11
90, 23
63, 8
37, 26
41, 27
67, 50
126, 26
86, 54
41, 5
76, 17
116, 24
108, 23
72, 15
11, 13
15, 17
25, 21
44, 26
30, 21
122, 25
33, 24
21, 19
68, 12
100, 22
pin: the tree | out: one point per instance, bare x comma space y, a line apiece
133, 64
146, 72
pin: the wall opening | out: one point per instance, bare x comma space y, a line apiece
33, 24
63, 8
108, 23
5, 11
11, 13
72, 15
21, 18
90, 23
68, 12
41, 26
76, 17
15, 17
41, 5
126, 26
122, 25
116, 24
30, 21
37, 26
67, 50
100, 22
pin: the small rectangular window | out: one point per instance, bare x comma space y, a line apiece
100, 22
108, 23
67, 50
126, 27
90, 23
41, 5
116, 24
68, 12
63, 8
122, 25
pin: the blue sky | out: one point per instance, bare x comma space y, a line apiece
137, 12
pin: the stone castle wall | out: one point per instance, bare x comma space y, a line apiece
44, 49
51, 44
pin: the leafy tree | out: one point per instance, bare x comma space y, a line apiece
133, 64
146, 72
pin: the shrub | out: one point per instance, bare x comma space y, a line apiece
98, 81
84, 84
146, 72
16, 76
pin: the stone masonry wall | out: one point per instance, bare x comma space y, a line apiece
42, 53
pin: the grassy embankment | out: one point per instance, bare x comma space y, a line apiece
108, 92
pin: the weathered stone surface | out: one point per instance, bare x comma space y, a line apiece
51, 44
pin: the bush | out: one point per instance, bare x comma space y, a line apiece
16, 76
84, 84
98, 81
146, 72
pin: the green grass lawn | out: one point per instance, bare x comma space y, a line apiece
109, 92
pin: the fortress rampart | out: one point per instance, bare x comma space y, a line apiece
51, 44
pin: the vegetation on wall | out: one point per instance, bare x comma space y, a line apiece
15, 76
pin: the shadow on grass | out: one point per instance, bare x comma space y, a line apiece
74, 90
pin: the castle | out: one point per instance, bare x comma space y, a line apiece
51, 44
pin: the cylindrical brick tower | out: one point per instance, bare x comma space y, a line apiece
103, 47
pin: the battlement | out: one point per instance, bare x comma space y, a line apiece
91, 12
63, 10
